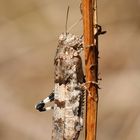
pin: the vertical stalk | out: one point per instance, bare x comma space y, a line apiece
91, 67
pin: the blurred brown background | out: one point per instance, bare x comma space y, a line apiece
29, 31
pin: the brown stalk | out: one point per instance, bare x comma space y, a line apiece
91, 67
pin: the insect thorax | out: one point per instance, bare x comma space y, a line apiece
68, 64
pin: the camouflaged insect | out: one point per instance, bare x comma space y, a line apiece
68, 93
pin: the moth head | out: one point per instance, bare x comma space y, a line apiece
71, 40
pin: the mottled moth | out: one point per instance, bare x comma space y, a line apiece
68, 92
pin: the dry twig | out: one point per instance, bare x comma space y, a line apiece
91, 67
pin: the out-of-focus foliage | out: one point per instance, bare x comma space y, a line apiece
28, 39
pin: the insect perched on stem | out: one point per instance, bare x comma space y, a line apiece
68, 93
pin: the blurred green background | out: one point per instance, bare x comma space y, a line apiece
29, 32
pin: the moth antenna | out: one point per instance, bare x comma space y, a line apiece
74, 24
67, 19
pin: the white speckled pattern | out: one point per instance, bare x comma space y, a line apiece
68, 98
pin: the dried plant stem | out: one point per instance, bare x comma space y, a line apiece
91, 67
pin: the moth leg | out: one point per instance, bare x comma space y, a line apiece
93, 82
95, 98
41, 105
50, 98
99, 30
